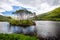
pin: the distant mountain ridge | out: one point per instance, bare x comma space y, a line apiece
53, 15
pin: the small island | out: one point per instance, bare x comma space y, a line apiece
23, 23
22, 18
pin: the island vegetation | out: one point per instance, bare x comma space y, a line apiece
23, 23
53, 15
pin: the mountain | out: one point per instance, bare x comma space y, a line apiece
53, 15
4, 18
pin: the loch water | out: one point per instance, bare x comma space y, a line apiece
44, 29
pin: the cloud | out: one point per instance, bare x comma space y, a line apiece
38, 6
2, 10
5, 6
37, 2
41, 5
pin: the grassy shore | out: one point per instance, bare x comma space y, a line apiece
16, 37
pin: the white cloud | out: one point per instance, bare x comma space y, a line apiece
39, 6
6, 7
2, 10
44, 7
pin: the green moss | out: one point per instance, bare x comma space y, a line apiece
16, 37
23, 23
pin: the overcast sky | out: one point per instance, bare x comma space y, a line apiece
38, 6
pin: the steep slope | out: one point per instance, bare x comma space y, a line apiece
53, 15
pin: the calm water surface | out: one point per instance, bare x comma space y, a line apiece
5, 28
44, 28
48, 28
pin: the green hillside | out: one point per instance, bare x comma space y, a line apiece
4, 18
53, 15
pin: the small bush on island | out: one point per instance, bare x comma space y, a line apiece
16, 37
21, 22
